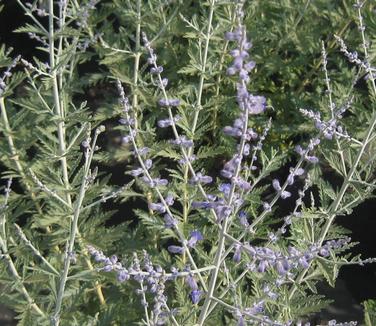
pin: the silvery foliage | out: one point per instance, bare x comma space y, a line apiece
209, 245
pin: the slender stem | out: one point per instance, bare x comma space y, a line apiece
56, 96
62, 144
197, 111
74, 230
144, 303
136, 65
221, 242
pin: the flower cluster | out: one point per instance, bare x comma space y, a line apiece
263, 258
7, 74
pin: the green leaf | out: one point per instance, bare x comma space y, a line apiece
329, 270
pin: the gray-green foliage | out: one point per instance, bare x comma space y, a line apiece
49, 149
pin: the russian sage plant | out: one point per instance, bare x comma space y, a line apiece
211, 243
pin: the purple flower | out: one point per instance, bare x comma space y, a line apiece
159, 207
195, 236
203, 204
170, 222
231, 131
246, 150
226, 174
156, 70
324, 252
242, 184
233, 36
175, 249
299, 171
231, 71
196, 296
285, 194
241, 321
249, 65
148, 163
182, 141
290, 179
199, 178
169, 200
164, 123
299, 150
263, 265
303, 262
243, 75
243, 219
276, 185
123, 275
312, 159
191, 282
137, 172
154, 182
126, 139
237, 253
143, 151
169, 102
256, 104
267, 207
160, 182
223, 211
282, 267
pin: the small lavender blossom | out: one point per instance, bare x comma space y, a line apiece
241, 183
123, 276
225, 188
169, 200
267, 207
246, 150
159, 207
312, 159
256, 104
203, 204
195, 296
231, 131
148, 164
195, 236
299, 150
237, 253
155, 182
164, 123
143, 151
184, 161
126, 139
243, 219
285, 194
182, 141
223, 212
175, 249
200, 178
137, 172
191, 282
156, 70
170, 222
276, 185
169, 102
